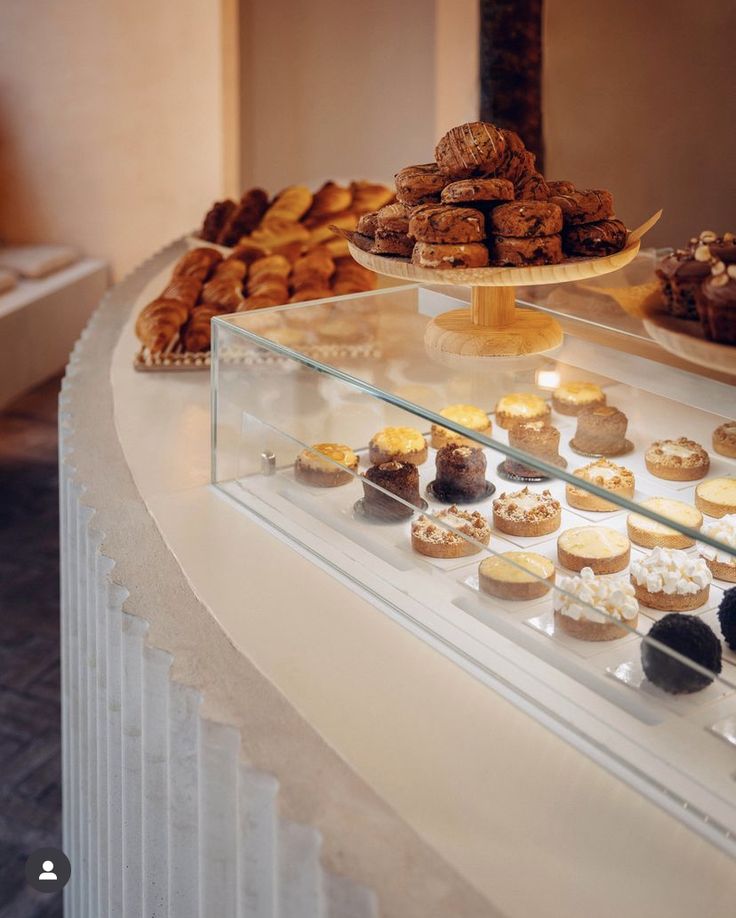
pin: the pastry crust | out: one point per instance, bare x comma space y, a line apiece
572, 397
310, 468
520, 406
677, 460
397, 444
446, 224
433, 541
649, 534
471, 148
603, 550
508, 251
605, 474
434, 255
502, 579
525, 513
724, 439
419, 184
716, 497
478, 189
527, 218
585, 630
588, 206
671, 602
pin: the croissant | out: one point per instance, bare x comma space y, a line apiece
245, 217
274, 288
215, 218
185, 288
198, 332
197, 263
338, 247
313, 269
260, 301
223, 291
159, 323
290, 204
369, 196
247, 252
321, 229
271, 266
310, 293
279, 231
331, 198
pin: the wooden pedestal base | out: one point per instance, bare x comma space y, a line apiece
493, 327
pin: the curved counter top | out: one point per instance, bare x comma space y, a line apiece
427, 788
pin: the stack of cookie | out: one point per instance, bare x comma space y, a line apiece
483, 201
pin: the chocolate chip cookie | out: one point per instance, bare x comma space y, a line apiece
419, 184
532, 188
432, 255
585, 206
443, 223
532, 250
527, 218
471, 149
480, 190
591, 239
393, 218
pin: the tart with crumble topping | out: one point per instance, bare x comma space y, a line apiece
677, 460
605, 474
451, 533
526, 513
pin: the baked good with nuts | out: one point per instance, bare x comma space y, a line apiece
677, 460
527, 513
451, 533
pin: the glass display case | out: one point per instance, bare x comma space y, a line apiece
561, 525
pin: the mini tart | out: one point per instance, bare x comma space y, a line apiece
612, 600
670, 580
520, 406
721, 563
516, 575
526, 513
724, 439
604, 474
716, 497
435, 541
677, 460
649, 533
469, 416
313, 466
397, 444
603, 550
570, 398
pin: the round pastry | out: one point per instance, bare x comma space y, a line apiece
482, 190
592, 608
368, 224
649, 533
446, 224
727, 617
561, 187
603, 550
585, 206
461, 474
532, 187
526, 513
680, 274
433, 255
670, 580
570, 398
469, 416
470, 149
716, 304
604, 474
601, 431
689, 636
517, 166
322, 465
460, 540
527, 218
520, 406
721, 562
593, 239
419, 184
508, 251
401, 444
399, 478
394, 218
677, 460
388, 243
716, 497
516, 575
538, 439
724, 439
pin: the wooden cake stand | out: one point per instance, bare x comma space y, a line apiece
494, 326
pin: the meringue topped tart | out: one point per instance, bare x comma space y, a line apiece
592, 608
649, 533
671, 580
721, 561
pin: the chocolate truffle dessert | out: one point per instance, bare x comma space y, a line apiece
716, 303
601, 431
682, 273
401, 479
689, 636
461, 474
727, 617
540, 440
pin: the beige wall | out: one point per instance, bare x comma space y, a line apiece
341, 89
111, 121
636, 99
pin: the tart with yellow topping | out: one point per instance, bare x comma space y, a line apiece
516, 575
716, 497
326, 465
469, 416
397, 444
570, 398
520, 406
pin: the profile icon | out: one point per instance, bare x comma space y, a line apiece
48, 871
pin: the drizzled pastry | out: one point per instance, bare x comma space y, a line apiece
593, 608
591, 240
605, 474
677, 460
526, 513
721, 561
467, 533
438, 255
419, 184
689, 636
479, 191
520, 406
326, 465
649, 533
471, 149
516, 575
446, 224
526, 218
585, 206
506, 251
600, 548
671, 580
403, 444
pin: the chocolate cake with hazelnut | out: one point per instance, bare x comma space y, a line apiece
399, 478
461, 475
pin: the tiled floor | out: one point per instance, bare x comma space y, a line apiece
30, 767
